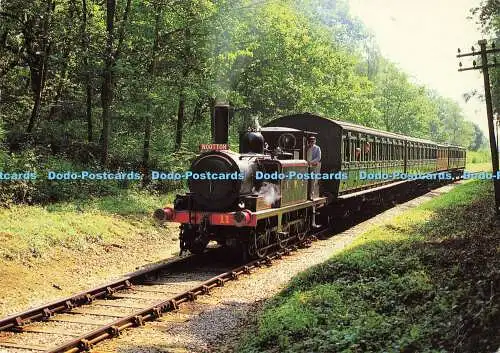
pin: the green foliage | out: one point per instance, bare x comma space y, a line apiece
481, 156
177, 58
293, 66
419, 284
487, 15
478, 140
43, 190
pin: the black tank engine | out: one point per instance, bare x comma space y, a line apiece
239, 199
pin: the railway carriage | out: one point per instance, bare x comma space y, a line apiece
360, 151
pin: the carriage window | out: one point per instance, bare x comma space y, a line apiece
367, 150
358, 149
352, 149
345, 146
364, 155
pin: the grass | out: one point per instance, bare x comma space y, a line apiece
425, 282
478, 167
481, 156
32, 230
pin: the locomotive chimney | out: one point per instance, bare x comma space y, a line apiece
220, 123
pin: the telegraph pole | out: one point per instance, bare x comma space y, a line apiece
489, 106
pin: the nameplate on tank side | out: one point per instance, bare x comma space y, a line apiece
214, 147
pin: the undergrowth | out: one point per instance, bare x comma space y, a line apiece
428, 281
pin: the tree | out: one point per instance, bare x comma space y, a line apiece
33, 23
405, 107
111, 56
287, 64
478, 139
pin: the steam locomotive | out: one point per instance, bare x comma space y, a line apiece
227, 203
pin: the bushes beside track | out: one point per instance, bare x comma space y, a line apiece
42, 190
426, 282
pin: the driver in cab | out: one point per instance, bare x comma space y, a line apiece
313, 154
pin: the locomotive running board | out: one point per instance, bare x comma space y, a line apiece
319, 202
316, 203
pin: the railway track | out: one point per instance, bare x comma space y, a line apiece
77, 323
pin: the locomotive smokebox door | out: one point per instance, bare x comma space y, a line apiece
220, 124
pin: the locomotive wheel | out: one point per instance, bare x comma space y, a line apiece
198, 247
258, 244
192, 241
302, 229
281, 240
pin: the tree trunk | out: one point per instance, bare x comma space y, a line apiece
67, 49
88, 81
180, 121
149, 114
145, 151
110, 61
182, 97
35, 111
88, 114
37, 61
59, 88
107, 84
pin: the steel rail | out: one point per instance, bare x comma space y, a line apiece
155, 311
45, 311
